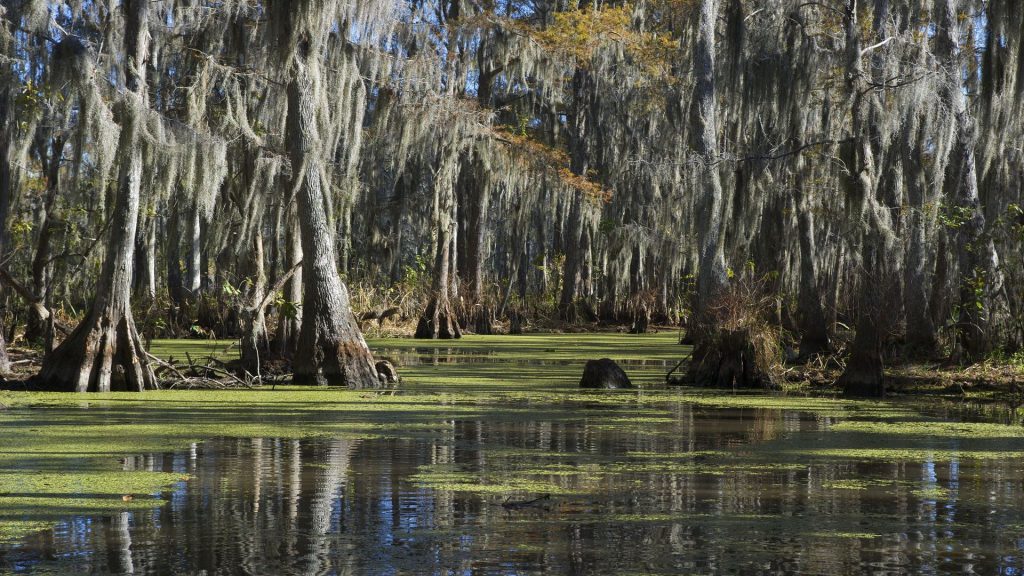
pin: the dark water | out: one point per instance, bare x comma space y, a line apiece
343, 506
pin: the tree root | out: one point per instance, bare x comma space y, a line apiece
438, 322
103, 354
733, 359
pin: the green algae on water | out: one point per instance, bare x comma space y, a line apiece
507, 380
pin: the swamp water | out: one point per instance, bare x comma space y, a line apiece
438, 477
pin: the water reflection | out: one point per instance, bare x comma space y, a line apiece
701, 492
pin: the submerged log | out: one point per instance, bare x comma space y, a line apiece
604, 373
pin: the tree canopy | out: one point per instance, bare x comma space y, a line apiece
838, 173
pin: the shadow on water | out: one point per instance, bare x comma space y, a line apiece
638, 482
701, 499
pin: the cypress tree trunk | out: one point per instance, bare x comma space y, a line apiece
5, 202
813, 324
331, 349
38, 315
572, 269
5, 361
172, 256
289, 324
438, 321
5, 195
194, 264
721, 357
864, 374
255, 344
105, 352
978, 262
476, 204
711, 280
921, 340
573, 242
145, 267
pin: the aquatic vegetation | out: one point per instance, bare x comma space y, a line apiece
659, 432
454, 481
931, 493
933, 429
895, 454
849, 484
845, 535
676, 455
31, 501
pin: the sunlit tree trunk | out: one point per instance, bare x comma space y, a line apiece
331, 349
255, 344
438, 320
711, 279
194, 263
289, 322
721, 356
105, 352
145, 267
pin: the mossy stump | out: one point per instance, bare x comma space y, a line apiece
732, 359
604, 373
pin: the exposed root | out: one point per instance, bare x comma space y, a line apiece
438, 322
103, 354
734, 345
346, 363
734, 359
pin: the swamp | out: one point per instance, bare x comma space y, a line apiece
466, 287
428, 478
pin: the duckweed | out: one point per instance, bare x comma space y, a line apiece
501, 379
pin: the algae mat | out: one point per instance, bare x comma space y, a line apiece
489, 458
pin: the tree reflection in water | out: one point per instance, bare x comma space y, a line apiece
753, 500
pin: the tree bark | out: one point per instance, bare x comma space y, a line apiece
38, 315
145, 267
5, 194
921, 340
105, 352
172, 255
811, 318
331, 349
5, 361
814, 338
978, 262
711, 280
289, 322
572, 269
194, 264
721, 357
438, 321
863, 375
255, 344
